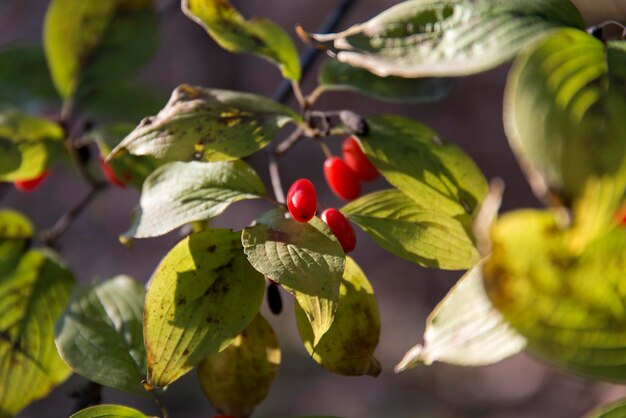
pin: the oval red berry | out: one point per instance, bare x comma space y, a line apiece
30, 184
341, 228
342, 180
110, 176
355, 159
302, 200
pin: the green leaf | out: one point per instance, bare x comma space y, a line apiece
109, 411
614, 410
237, 379
208, 124
564, 103
15, 232
99, 335
424, 236
31, 298
256, 36
567, 301
123, 100
127, 167
348, 346
180, 193
37, 142
423, 38
202, 295
337, 76
24, 75
411, 157
68, 42
305, 258
465, 329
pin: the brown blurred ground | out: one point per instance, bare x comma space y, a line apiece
471, 117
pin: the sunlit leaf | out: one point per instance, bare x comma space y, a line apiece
305, 258
337, 76
564, 107
99, 335
465, 329
348, 346
423, 235
15, 232
31, 298
179, 193
413, 159
238, 378
109, 411
203, 294
257, 36
422, 38
208, 124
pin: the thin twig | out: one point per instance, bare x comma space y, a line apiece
160, 404
290, 141
297, 92
275, 178
327, 152
52, 234
314, 96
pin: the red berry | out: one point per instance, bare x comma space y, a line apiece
302, 200
30, 184
341, 179
110, 175
341, 228
355, 159
620, 216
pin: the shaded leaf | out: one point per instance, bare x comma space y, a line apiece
348, 346
35, 141
419, 38
305, 258
15, 232
411, 157
422, 235
24, 75
202, 295
109, 411
179, 193
120, 99
100, 334
337, 76
465, 329
232, 32
237, 379
564, 107
208, 124
568, 302
31, 298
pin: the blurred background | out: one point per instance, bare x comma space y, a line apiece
522, 386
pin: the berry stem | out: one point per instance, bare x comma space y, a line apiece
327, 152
289, 142
279, 193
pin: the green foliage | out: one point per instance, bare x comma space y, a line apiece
465, 329
100, 333
305, 258
180, 193
203, 294
32, 143
565, 102
24, 76
31, 298
238, 378
421, 235
109, 411
348, 346
614, 410
15, 232
337, 76
257, 36
419, 38
208, 124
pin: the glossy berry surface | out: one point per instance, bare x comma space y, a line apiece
30, 184
355, 159
341, 228
110, 176
302, 200
342, 180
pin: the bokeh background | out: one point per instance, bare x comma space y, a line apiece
522, 386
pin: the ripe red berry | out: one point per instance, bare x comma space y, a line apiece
341, 179
30, 184
302, 200
341, 228
355, 159
110, 176
620, 216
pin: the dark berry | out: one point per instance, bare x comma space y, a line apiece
274, 300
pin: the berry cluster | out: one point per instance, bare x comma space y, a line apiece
344, 176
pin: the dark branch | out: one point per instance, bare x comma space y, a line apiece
86, 396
